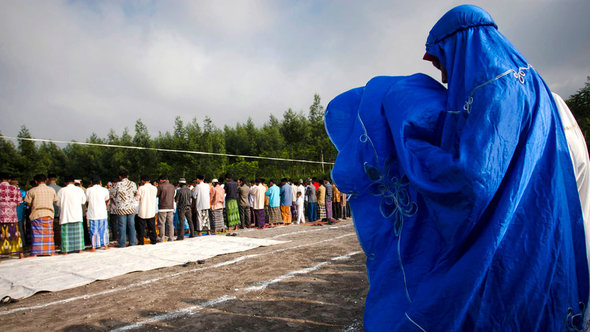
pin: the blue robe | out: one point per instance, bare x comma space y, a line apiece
467, 202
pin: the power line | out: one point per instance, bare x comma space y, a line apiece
164, 150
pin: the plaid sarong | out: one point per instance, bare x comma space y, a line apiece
259, 216
322, 211
274, 215
233, 213
72, 237
10, 241
217, 220
99, 232
42, 236
286, 214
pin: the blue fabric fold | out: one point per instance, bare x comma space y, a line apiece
464, 200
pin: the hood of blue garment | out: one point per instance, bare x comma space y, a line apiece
469, 215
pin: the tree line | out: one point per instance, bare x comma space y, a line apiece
297, 135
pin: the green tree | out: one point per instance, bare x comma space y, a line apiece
579, 104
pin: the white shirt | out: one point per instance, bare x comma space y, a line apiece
203, 196
294, 191
147, 195
97, 207
258, 192
70, 200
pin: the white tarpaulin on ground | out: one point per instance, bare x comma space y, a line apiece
20, 278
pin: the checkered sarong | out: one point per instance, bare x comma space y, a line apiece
99, 232
72, 237
322, 211
42, 236
274, 215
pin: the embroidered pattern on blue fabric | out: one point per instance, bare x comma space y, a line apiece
518, 74
396, 202
575, 322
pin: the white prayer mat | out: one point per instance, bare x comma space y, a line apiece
20, 278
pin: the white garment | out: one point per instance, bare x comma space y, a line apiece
97, 198
581, 163
301, 189
294, 192
257, 192
70, 200
147, 196
300, 211
202, 195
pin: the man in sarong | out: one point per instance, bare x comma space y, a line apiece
312, 201
231, 202
217, 199
70, 200
329, 197
98, 199
10, 239
52, 183
321, 195
479, 224
201, 194
258, 195
286, 194
274, 203
41, 199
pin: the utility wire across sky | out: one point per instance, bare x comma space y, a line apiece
164, 150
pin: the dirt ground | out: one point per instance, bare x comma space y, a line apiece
314, 282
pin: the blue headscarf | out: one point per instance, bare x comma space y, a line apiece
464, 200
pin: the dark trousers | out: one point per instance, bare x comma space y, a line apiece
245, 216
142, 225
336, 210
182, 212
113, 226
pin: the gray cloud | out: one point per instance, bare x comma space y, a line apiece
69, 68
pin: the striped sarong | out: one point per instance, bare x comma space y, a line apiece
233, 213
286, 214
99, 232
322, 211
42, 236
217, 220
259, 214
72, 237
274, 215
10, 241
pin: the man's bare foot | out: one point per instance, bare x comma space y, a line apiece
106, 248
92, 249
21, 256
79, 251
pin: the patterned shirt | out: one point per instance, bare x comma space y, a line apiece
125, 197
41, 198
10, 197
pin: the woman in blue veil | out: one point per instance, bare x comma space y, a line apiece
464, 199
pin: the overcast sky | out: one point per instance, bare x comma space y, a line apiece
70, 68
